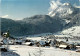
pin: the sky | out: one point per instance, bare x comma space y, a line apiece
19, 9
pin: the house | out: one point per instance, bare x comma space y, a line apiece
78, 50
3, 48
72, 47
57, 44
18, 41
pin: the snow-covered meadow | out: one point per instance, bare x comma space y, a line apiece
24, 50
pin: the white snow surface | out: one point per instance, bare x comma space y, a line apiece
74, 31
24, 50
34, 38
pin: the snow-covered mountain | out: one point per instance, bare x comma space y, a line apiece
62, 9
67, 13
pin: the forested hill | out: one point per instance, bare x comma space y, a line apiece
32, 25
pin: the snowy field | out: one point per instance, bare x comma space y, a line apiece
24, 50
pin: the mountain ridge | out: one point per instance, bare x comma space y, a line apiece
43, 24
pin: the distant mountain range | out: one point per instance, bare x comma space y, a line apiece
54, 22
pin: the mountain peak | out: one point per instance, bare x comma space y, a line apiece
61, 9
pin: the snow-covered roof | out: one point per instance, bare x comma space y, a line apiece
5, 33
63, 46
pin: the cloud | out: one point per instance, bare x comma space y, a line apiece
5, 16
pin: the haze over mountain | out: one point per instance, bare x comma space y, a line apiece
61, 16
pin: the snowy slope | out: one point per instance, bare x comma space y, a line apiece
42, 51
74, 31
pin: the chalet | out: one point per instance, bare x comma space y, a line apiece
18, 42
78, 50
57, 44
3, 48
72, 47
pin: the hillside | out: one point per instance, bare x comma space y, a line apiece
8, 24
73, 31
33, 25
